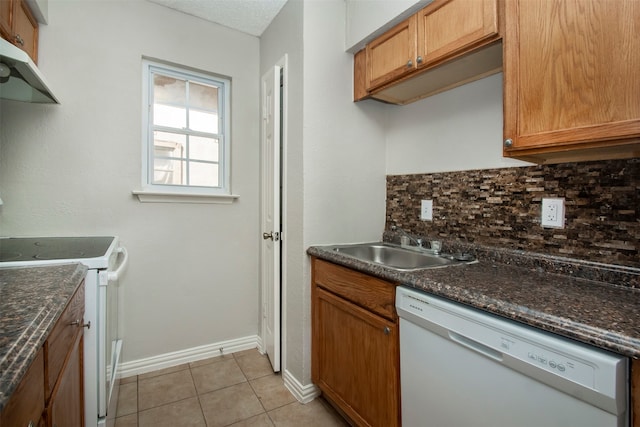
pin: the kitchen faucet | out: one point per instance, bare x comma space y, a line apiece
434, 245
418, 242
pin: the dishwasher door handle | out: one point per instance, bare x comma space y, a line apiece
476, 346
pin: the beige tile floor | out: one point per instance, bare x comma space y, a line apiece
238, 390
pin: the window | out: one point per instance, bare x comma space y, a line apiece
186, 133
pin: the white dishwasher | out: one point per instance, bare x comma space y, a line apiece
463, 367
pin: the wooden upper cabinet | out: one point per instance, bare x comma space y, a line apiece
25, 29
19, 26
444, 45
360, 83
6, 14
571, 86
392, 55
453, 26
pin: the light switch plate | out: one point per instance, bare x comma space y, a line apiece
426, 210
553, 213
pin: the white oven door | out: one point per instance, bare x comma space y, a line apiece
109, 340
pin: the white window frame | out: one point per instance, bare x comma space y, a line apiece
151, 192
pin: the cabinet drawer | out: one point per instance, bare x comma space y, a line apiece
62, 337
27, 401
366, 291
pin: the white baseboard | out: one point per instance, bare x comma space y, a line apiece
303, 393
167, 360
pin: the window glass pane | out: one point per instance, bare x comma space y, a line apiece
203, 121
203, 174
169, 116
203, 148
169, 172
169, 90
167, 144
169, 101
203, 97
203, 107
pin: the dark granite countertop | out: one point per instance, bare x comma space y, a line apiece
31, 301
593, 303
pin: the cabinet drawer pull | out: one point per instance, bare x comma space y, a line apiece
30, 424
409, 63
419, 60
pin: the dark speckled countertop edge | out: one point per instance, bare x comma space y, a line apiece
64, 279
438, 283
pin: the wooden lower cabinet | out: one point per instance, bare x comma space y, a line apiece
66, 407
635, 393
355, 351
51, 393
26, 405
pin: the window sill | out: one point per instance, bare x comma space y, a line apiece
147, 196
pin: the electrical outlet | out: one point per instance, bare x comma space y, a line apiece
426, 210
553, 213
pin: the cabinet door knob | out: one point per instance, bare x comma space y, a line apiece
19, 40
386, 330
419, 60
409, 63
508, 143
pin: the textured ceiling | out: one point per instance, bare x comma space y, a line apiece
248, 16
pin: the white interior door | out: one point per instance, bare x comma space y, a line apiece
271, 230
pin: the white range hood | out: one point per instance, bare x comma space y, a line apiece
20, 79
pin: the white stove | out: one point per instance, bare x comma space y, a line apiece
106, 261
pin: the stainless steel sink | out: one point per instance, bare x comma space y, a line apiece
397, 257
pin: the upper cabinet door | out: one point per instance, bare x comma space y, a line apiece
25, 29
571, 86
450, 27
392, 55
19, 26
6, 10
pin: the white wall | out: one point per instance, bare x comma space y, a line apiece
460, 129
70, 169
344, 179
335, 155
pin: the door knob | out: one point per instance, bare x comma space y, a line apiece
272, 235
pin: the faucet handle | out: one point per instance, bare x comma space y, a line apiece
419, 242
436, 245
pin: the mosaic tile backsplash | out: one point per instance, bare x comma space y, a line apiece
502, 208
